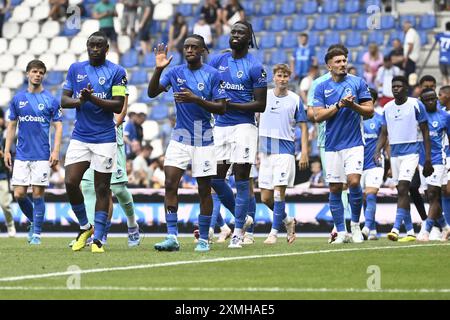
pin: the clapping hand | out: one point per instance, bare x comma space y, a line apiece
185, 96
86, 93
348, 101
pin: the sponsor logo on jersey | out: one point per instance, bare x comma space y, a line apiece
180, 82
232, 86
30, 118
328, 93
370, 136
22, 104
81, 77
223, 68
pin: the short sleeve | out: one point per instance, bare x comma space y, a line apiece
311, 93
218, 91
56, 111
447, 123
214, 60
421, 114
258, 76
383, 119
300, 114
165, 80
13, 109
319, 99
119, 83
68, 84
305, 84
363, 91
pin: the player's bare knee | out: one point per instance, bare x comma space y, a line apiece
19, 193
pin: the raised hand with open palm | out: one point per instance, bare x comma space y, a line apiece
161, 56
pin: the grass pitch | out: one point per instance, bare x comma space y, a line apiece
308, 269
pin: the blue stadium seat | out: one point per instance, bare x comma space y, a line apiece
314, 39
376, 37
260, 55
396, 34
289, 41
66, 129
351, 6
309, 7
159, 112
343, 22
148, 61
331, 38
369, 3
144, 98
267, 8
277, 24
177, 58
278, 56
387, 22
222, 43
423, 37
54, 78
185, 9
321, 23
258, 24
139, 77
268, 41
288, 7
353, 39
361, 22
129, 59
331, 6
320, 53
269, 74
299, 24
69, 31
408, 17
249, 7
427, 21
167, 97
359, 56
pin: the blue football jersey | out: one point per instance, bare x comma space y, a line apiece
194, 123
240, 77
93, 124
444, 47
34, 112
372, 130
343, 130
439, 127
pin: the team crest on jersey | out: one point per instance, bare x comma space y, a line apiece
41, 106
434, 124
372, 126
119, 174
348, 91
200, 86
240, 74
44, 177
101, 80
109, 165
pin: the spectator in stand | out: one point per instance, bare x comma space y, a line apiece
133, 179
383, 81
133, 131
203, 29
57, 176
141, 167
232, 13
396, 54
352, 70
212, 11
158, 178
302, 58
177, 33
306, 82
444, 53
411, 49
4, 8
316, 180
187, 180
129, 16
372, 59
105, 12
145, 22
58, 9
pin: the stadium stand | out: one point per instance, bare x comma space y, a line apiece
276, 24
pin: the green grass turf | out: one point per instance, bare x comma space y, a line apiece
423, 267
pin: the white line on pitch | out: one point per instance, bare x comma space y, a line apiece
178, 263
250, 289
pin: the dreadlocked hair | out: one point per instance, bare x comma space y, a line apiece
252, 43
202, 40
